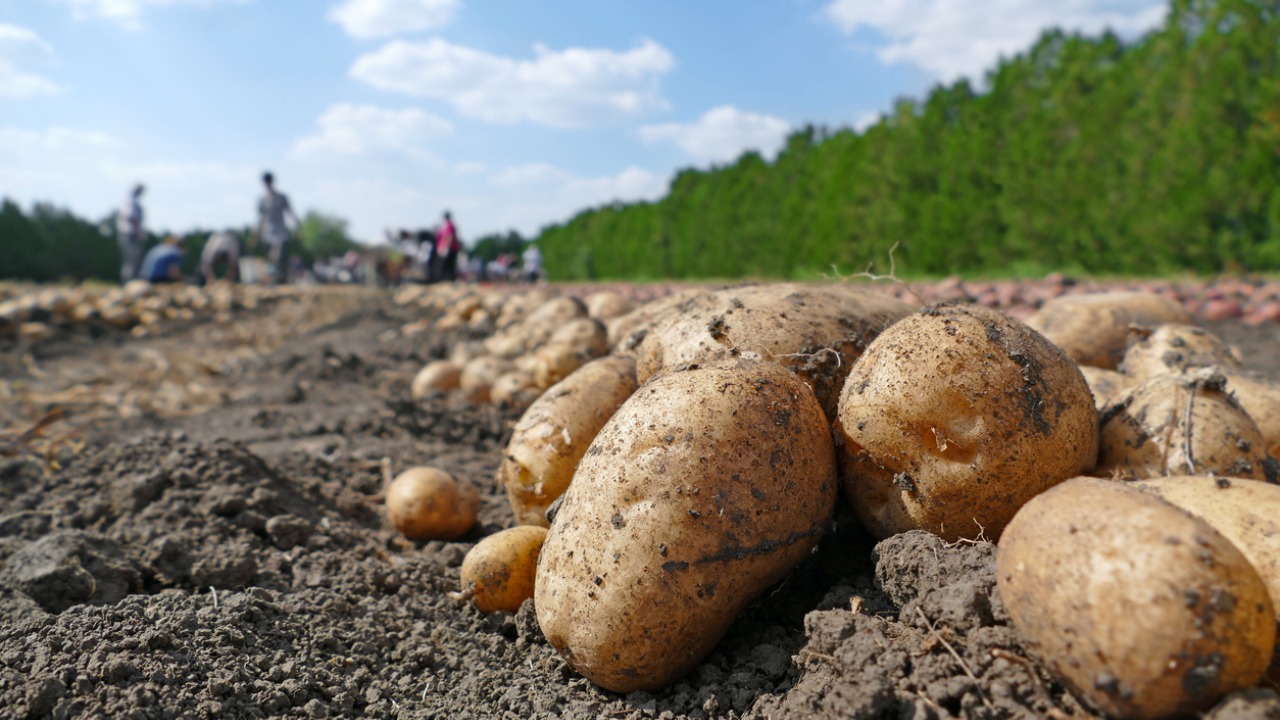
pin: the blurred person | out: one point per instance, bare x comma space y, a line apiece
130, 235
531, 262
447, 248
273, 209
223, 246
163, 263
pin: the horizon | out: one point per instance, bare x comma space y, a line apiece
385, 113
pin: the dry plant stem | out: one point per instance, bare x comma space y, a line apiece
963, 665
13, 443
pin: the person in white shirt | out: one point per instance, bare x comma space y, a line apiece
531, 262
130, 235
223, 245
273, 209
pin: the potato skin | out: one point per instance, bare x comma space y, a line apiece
1173, 349
704, 489
499, 571
954, 417
1104, 384
1140, 608
1094, 329
1246, 512
554, 433
1177, 425
426, 503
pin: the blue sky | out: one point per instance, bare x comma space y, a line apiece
513, 114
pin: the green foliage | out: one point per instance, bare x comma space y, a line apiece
1082, 154
489, 247
322, 235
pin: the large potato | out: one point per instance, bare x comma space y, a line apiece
1246, 512
1140, 608
1094, 329
1181, 425
817, 332
703, 490
1174, 349
954, 417
554, 433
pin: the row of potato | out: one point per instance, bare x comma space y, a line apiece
662, 486
37, 314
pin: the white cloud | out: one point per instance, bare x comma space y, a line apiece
530, 174
18, 44
347, 129
952, 39
574, 87
722, 134
469, 167
366, 19
541, 194
127, 12
53, 139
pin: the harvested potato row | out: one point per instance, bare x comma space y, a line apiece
1181, 425
1140, 608
1173, 349
554, 433
1095, 329
704, 489
954, 417
816, 332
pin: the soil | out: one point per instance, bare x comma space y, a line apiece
200, 536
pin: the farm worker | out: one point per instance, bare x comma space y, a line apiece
163, 263
223, 245
129, 234
447, 248
531, 260
272, 210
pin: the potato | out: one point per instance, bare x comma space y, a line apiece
1094, 329
1140, 608
554, 433
1173, 349
554, 362
627, 331
1246, 512
436, 376
1104, 384
1181, 425
607, 304
956, 416
703, 490
1261, 399
585, 335
426, 503
515, 388
498, 573
479, 375
816, 332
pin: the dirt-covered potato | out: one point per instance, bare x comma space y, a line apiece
554, 433
426, 503
1140, 608
627, 331
554, 362
498, 573
1181, 425
1095, 329
1246, 512
515, 388
954, 417
1261, 399
1173, 349
435, 377
1104, 384
704, 489
814, 331
586, 335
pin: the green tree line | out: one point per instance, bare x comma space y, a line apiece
51, 244
1083, 154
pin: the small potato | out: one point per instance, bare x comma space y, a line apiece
1173, 349
1095, 329
1261, 399
515, 388
956, 416
1140, 608
435, 377
482, 372
426, 503
499, 571
1246, 512
557, 361
1104, 384
554, 433
704, 489
607, 304
1181, 425
586, 335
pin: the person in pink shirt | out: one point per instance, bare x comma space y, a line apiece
447, 248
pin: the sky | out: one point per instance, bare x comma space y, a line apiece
513, 114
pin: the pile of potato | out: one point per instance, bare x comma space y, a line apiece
1117, 454
36, 314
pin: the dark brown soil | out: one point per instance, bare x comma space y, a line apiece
222, 554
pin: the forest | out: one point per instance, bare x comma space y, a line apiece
1083, 154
